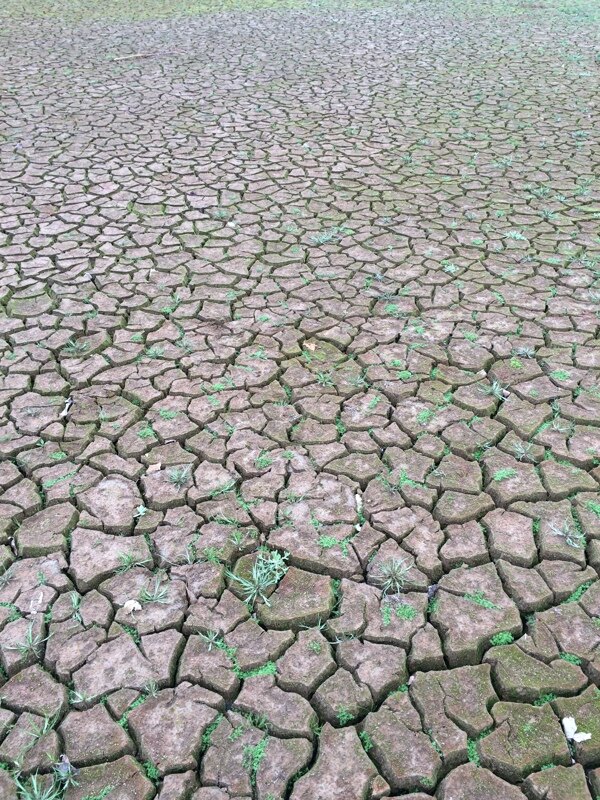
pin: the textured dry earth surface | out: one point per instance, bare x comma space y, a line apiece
300, 435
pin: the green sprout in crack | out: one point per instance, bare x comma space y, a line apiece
495, 389
325, 379
74, 349
167, 414
267, 570
146, 431
252, 758
524, 352
31, 643
570, 658
594, 507
6, 577
129, 561
212, 639
481, 600
573, 537
263, 460
331, 235
522, 451
221, 490
504, 474
154, 592
425, 416
179, 476
36, 787
344, 716
75, 600
504, 637
392, 575
365, 740
153, 352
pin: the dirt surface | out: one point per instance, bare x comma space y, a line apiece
300, 441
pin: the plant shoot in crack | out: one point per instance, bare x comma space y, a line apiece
573, 537
179, 476
267, 570
391, 575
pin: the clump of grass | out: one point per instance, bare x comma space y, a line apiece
575, 596
504, 637
524, 352
365, 740
481, 600
146, 431
544, 698
594, 507
473, 752
405, 611
571, 658
263, 460
344, 716
325, 379
252, 758
392, 575
152, 771
425, 416
267, 570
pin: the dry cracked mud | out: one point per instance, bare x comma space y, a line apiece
300, 437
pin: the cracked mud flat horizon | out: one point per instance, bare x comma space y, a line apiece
300, 447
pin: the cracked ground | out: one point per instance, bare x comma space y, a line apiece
300, 439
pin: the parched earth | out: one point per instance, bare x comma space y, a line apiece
300, 441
